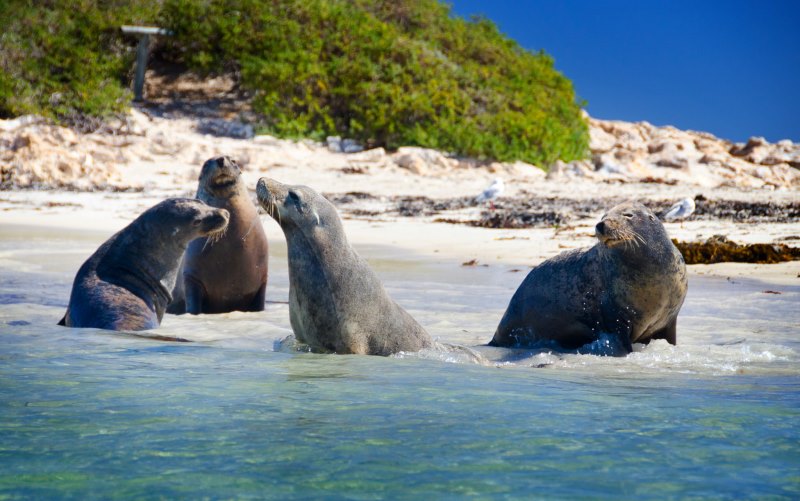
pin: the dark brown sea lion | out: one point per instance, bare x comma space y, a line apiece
626, 289
336, 303
126, 283
231, 274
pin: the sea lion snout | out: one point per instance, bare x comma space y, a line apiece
262, 191
607, 231
220, 174
270, 194
224, 163
213, 221
600, 228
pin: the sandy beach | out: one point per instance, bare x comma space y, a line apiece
101, 181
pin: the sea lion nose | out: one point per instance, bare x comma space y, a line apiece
261, 189
600, 227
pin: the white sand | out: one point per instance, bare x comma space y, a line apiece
166, 157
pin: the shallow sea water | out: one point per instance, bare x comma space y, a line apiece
92, 414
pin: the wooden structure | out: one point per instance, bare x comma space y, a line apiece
144, 33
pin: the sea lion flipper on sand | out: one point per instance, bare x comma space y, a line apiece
229, 272
336, 302
125, 284
626, 289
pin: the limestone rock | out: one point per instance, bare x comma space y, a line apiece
423, 160
225, 128
336, 144
640, 151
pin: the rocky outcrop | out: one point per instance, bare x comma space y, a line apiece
35, 154
631, 152
141, 151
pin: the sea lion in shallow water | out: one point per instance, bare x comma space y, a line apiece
336, 303
626, 289
231, 273
126, 283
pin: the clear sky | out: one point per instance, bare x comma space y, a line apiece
729, 67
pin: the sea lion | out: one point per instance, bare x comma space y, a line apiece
126, 283
627, 288
231, 274
336, 302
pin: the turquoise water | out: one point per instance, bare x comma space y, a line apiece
90, 414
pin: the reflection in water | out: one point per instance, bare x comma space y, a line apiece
87, 413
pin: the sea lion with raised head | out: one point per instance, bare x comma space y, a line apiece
229, 274
126, 283
336, 302
627, 288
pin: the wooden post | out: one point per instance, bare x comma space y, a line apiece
141, 65
142, 52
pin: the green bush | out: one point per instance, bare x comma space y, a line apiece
64, 59
385, 72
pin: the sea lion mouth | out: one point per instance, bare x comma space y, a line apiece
222, 182
611, 241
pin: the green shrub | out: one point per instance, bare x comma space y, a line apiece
386, 72
64, 59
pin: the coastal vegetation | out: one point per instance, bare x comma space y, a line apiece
384, 72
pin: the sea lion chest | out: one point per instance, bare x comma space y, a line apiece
235, 264
313, 311
642, 297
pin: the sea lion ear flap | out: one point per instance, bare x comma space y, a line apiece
316, 215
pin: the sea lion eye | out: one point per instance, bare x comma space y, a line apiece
293, 196
629, 215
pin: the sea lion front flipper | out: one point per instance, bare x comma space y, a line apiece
259, 300
194, 294
669, 332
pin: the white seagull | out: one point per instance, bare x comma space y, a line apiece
494, 191
680, 210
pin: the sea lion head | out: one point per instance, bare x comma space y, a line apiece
295, 206
630, 226
184, 219
219, 178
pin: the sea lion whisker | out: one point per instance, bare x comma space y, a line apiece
630, 236
638, 236
252, 225
205, 244
274, 209
629, 243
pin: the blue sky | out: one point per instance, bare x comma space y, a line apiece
729, 67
